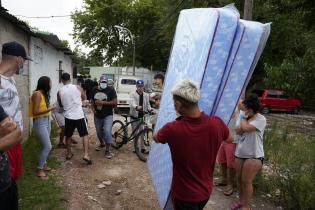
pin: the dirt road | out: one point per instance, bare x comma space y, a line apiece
130, 185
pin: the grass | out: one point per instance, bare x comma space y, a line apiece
289, 174
35, 193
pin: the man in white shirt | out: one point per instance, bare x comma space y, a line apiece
71, 97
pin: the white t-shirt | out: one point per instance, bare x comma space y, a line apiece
9, 99
250, 144
71, 101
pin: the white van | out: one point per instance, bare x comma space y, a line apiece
123, 86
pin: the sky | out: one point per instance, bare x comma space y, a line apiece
62, 27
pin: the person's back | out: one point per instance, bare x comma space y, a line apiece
194, 140
71, 101
194, 143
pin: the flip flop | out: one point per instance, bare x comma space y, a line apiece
69, 157
228, 192
235, 206
88, 161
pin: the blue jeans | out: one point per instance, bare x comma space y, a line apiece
42, 130
104, 128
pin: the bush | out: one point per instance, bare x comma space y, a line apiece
289, 172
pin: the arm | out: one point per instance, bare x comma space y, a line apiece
246, 127
11, 138
83, 97
109, 103
230, 138
148, 102
133, 102
36, 99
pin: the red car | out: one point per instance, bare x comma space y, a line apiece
277, 100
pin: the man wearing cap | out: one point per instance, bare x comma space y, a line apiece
71, 97
194, 139
13, 59
104, 99
139, 104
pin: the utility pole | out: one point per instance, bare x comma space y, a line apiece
248, 9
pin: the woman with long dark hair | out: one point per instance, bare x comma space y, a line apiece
40, 112
249, 151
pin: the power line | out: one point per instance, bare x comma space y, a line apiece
43, 17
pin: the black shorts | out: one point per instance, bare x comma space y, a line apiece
260, 158
186, 205
71, 125
9, 198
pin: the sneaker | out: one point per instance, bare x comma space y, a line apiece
108, 154
99, 147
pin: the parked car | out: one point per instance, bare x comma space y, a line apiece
123, 86
277, 100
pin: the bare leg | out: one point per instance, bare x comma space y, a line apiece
86, 146
68, 143
229, 180
250, 169
61, 135
224, 172
238, 168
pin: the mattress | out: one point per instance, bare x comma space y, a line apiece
219, 52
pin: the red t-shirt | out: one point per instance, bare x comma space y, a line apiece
194, 143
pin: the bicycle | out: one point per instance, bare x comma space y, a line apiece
142, 135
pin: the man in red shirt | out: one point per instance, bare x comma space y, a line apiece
194, 139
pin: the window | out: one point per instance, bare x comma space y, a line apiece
259, 93
60, 71
128, 82
272, 94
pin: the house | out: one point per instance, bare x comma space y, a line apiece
50, 58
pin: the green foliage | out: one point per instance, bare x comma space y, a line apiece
34, 193
286, 63
290, 173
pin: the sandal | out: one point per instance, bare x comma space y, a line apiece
88, 161
228, 192
41, 173
235, 206
69, 157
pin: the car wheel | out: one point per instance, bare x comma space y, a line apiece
296, 110
265, 110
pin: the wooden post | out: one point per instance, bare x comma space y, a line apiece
248, 9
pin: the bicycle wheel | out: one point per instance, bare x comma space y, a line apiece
143, 143
119, 134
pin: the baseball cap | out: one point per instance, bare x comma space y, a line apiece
15, 49
139, 83
103, 78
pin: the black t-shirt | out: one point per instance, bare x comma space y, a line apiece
5, 180
108, 94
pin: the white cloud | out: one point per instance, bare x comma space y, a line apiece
62, 27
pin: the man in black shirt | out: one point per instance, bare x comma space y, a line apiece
10, 135
104, 99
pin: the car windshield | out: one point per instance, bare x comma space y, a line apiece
128, 81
